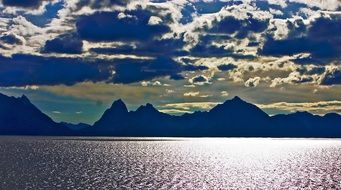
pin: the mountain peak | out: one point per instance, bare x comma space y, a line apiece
119, 105
237, 107
302, 113
24, 98
235, 100
147, 108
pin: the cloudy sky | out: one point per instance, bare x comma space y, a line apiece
72, 58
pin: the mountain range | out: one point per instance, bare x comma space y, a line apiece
233, 118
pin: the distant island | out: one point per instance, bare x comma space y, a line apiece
233, 118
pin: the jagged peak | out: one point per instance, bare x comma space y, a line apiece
235, 99
24, 98
148, 107
119, 104
302, 113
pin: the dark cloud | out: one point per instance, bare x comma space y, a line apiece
231, 25
100, 4
228, 25
22, 3
22, 70
206, 50
134, 71
222, 31
294, 46
164, 47
66, 43
106, 26
322, 41
226, 67
10, 39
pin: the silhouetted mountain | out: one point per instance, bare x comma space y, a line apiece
305, 124
18, 116
117, 113
117, 120
235, 117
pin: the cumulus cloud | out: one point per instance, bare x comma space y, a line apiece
320, 43
293, 78
154, 20
323, 4
252, 82
253, 40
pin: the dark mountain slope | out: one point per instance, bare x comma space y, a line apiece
18, 116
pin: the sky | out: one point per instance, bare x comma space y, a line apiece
73, 58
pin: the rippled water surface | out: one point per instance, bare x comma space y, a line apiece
163, 163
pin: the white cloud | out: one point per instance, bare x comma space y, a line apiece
191, 105
293, 78
224, 93
144, 83
279, 28
324, 4
252, 82
122, 15
191, 94
154, 20
151, 83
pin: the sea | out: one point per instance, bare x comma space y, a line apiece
168, 163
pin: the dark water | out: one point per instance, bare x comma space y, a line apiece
111, 163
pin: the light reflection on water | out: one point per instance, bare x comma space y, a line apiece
169, 163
